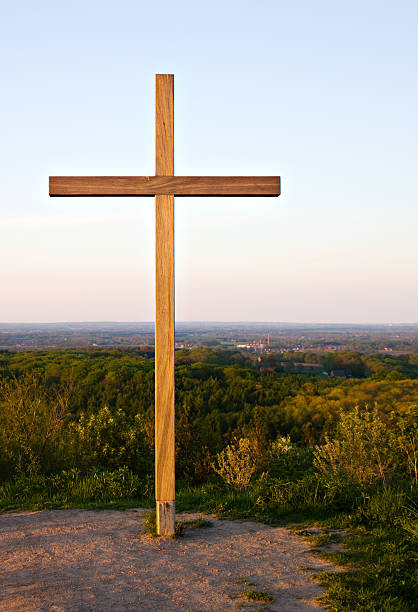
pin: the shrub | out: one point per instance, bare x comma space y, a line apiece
31, 424
236, 464
109, 439
360, 453
405, 441
287, 461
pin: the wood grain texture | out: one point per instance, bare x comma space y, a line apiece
164, 124
164, 309
164, 348
166, 517
164, 185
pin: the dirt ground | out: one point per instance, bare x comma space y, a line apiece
59, 560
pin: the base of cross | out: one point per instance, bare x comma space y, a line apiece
166, 517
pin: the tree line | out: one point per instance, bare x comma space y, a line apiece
95, 408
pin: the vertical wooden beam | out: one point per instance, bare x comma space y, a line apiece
164, 124
164, 309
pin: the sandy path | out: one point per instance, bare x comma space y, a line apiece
59, 560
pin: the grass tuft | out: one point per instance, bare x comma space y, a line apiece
253, 595
179, 531
150, 524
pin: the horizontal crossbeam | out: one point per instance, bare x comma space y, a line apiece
72, 186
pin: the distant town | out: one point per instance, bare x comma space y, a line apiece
259, 341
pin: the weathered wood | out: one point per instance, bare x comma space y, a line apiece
164, 310
166, 514
183, 186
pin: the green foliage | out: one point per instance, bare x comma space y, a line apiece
287, 446
179, 530
385, 576
288, 461
360, 452
404, 441
307, 496
109, 439
410, 524
253, 595
219, 396
31, 424
236, 464
108, 486
150, 524
389, 507
71, 487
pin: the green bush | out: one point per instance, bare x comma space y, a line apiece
288, 461
108, 439
32, 419
404, 441
236, 464
360, 453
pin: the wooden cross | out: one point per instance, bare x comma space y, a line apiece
164, 186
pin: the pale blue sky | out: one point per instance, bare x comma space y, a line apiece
323, 93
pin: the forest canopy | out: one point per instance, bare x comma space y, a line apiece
95, 408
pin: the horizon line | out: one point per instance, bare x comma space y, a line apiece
209, 321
